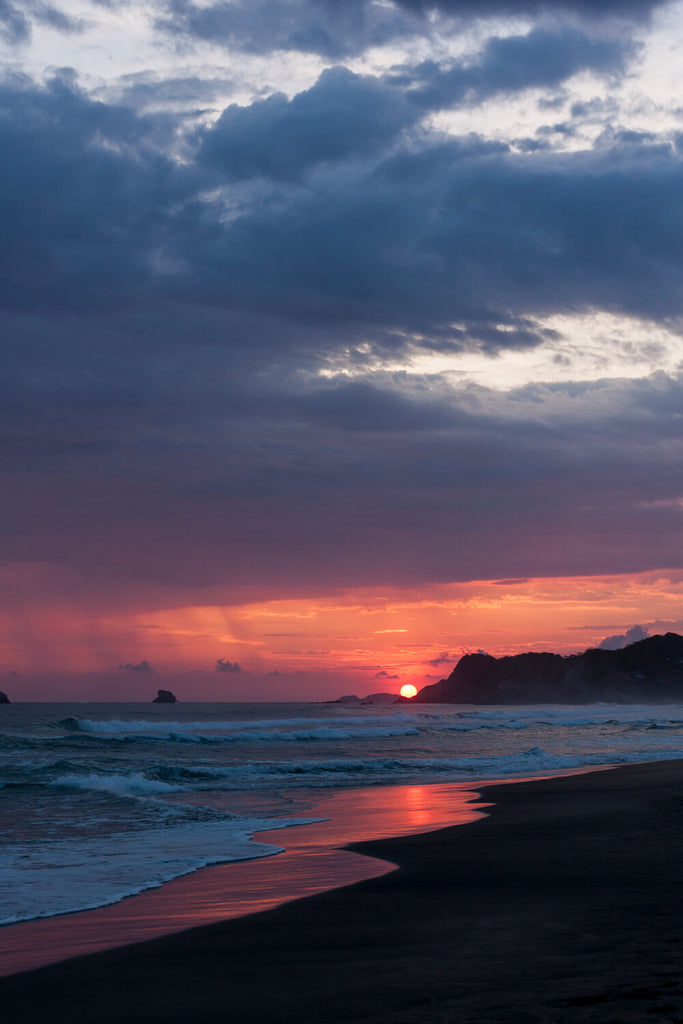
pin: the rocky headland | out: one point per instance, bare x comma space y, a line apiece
649, 670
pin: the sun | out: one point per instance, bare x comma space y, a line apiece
408, 690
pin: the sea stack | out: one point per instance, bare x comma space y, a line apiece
165, 697
4, 699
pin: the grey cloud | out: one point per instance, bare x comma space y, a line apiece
83, 198
141, 666
343, 115
16, 20
15, 27
359, 406
328, 27
492, 496
457, 231
408, 247
596, 109
542, 58
161, 352
413, 245
442, 659
223, 665
341, 28
615, 643
144, 89
637, 10
56, 18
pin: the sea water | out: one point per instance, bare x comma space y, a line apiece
101, 801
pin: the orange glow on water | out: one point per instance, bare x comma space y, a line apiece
312, 863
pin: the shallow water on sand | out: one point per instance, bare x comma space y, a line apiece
312, 862
99, 802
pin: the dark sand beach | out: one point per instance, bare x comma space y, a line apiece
563, 905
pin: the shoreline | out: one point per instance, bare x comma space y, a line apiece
315, 859
561, 904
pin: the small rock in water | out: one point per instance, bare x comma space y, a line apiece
165, 697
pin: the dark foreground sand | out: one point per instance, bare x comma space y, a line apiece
564, 905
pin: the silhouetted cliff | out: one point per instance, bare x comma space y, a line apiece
649, 670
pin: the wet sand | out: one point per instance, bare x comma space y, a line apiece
314, 861
563, 905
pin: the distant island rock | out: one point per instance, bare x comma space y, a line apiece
165, 697
4, 699
372, 698
649, 670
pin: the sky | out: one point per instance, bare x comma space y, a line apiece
339, 339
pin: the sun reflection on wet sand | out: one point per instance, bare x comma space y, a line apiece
312, 863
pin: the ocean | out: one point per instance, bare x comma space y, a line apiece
101, 801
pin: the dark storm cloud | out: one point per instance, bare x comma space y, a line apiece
265, 502
163, 326
345, 115
441, 245
638, 10
358, 406
84, 192
16, 20
341, 28
435, 236
342, 116
324, 508
15, 27
329, 27
541, 58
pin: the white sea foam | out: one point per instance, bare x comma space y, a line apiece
67, 877
312, 734
133, 784
149, 727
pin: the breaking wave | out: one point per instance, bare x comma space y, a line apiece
252, 732
132, 785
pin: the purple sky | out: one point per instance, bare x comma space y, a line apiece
302, 297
